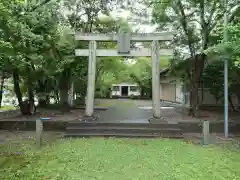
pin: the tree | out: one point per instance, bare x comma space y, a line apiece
141, 74
17, 36
231, 51
194, 20
33, 36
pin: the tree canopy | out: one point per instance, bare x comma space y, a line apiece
37, 48
198, 26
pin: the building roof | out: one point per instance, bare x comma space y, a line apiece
186, 62
164, 71
125, 84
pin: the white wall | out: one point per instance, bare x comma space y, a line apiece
205, 97
116, 93
119, 93
179, 94
135, 93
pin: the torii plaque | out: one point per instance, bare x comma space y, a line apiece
123, 43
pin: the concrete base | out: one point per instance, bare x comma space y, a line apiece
155, 120
89, 118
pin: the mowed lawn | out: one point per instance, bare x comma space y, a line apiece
120, 159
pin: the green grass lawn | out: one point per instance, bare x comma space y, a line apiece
121, 159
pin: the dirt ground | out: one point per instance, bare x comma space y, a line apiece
55, 115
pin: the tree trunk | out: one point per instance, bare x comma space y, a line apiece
26, 107
31, 105
235, 90
64, 84
57, 98
71, 95
197, 68
42, 92
17, 90
231, 103
43, 100
238, 98
196, 65
64, 100
194, 89
1, 89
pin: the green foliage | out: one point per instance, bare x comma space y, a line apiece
110, 71
229, 51
213, 78
35, 43
141, 73
180, 68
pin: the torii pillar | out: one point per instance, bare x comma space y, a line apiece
156, 79
91, 79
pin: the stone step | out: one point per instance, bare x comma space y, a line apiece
123, 130
116, 129
87, 128
117, 124
123, 135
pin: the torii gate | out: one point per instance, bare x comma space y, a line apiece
124, 50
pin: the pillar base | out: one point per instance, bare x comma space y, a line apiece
157, 120
89, 118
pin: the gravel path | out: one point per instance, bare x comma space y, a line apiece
135, 110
